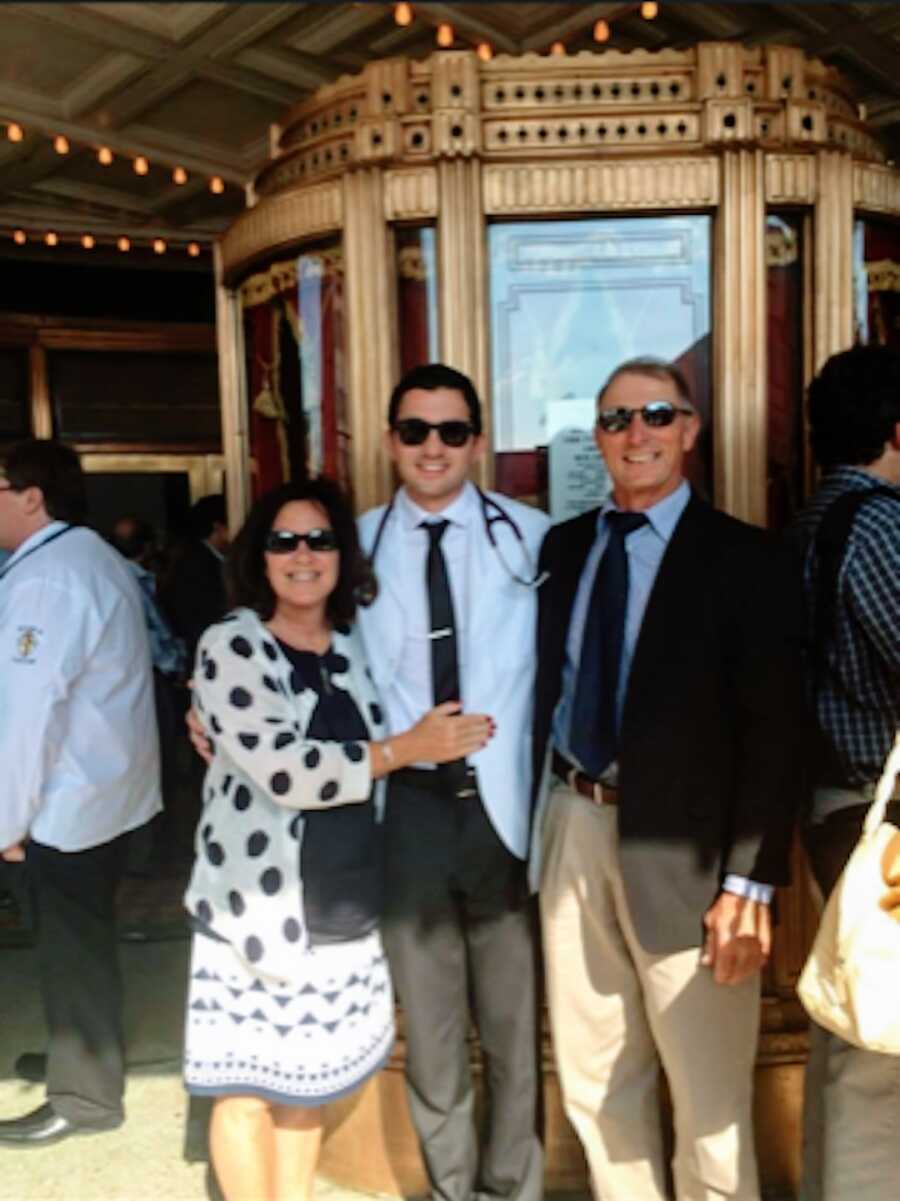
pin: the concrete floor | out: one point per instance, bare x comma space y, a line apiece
143, 1160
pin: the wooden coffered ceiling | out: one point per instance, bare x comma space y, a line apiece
198, 84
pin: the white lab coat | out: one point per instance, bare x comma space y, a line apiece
78, 737
498, 656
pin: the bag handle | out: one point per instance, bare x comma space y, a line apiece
883, 792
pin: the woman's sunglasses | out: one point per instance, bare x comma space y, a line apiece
657, 414
284, 542
413, 431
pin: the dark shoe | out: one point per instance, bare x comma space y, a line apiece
43, 1127
32, 1066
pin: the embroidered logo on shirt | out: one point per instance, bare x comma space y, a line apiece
27, 641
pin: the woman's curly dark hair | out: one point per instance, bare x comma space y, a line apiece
245, 571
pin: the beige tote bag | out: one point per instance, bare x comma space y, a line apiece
851, 981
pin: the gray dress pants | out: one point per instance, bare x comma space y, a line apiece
460, 934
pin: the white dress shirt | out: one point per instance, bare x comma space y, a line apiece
78, 739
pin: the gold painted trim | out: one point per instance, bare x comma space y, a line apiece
411, 194
790, 179
39, 393
876, 188
561, 187
282, 220
833, 320
205, 472
233, 397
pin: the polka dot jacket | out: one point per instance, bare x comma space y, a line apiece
246, 886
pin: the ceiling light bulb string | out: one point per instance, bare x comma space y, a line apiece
88, 241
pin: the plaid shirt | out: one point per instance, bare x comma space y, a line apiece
858, 703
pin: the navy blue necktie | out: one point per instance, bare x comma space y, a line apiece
444, 659
594, 724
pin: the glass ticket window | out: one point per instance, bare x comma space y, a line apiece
417, 305
570, 301
876, 282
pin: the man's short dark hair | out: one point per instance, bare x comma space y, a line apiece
854, 405
431, 376
656, 369
245, 571
56, 470
206, 513
131, 536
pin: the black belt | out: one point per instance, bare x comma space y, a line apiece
436, 781
591, 790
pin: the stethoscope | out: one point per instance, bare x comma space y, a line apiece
491, 512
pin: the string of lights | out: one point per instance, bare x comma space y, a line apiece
105, 157
446, 36
89, 241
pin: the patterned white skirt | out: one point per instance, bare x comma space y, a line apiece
293, 1045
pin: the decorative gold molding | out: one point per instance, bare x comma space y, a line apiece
790, 179
876, 189
370, 295
739, 341
559, 187
462, 276
205, 472
232, 396
281, 220
833, 317
411, 194
39, 393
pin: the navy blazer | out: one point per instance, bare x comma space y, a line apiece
709, 744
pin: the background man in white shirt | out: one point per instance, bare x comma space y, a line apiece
458, 927
81, 770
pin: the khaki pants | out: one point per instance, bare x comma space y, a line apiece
616, 1011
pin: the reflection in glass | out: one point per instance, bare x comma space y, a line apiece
570, 301
784, 343
876, 282
295, 363
417, 312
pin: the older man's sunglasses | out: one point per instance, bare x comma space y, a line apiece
657, 414
413, 431
284, 542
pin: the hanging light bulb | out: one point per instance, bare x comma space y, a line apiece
649, 9
124, 244
87, 241
159, 246
558, 48
445, 34
403, 14
15, 132
61, 144
104, 156
193, 249
485, 51
179, 175
601, 32
141, 166
217, 185
20, 237
51, 238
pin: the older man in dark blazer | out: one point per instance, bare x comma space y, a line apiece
664, 729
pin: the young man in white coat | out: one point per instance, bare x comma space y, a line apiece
454, 620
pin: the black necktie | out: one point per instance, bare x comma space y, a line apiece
444, 661
594, 725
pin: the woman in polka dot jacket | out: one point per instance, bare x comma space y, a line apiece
290, 1002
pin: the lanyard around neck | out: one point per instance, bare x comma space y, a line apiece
32, 549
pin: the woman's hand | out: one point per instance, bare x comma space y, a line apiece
445, 733
198, 736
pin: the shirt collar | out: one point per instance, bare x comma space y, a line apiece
35, 540
663, 516
856, 477
458, 512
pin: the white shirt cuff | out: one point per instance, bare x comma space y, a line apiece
751, 889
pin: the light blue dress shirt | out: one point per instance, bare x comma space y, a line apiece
645, 548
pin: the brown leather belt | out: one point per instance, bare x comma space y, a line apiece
591, 790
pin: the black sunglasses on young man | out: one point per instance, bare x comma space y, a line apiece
285, 542
657, 414
413, 431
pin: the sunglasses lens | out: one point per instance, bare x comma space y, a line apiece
613, 421
412, 431
281, 542
321, 540
658, 414
454, 433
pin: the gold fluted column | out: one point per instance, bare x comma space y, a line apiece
233, 397
462, 272
39, 393
371, 325
833, 268
739, 332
